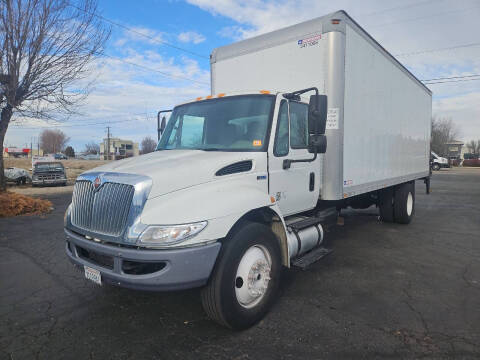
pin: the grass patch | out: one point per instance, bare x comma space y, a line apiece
12, 204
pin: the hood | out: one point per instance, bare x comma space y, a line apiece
173, 170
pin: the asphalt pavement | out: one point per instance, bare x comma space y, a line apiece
387, 291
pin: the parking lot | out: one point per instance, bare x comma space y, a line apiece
388, 290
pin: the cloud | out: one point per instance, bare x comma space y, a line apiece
191, 36
140, 34
125, 97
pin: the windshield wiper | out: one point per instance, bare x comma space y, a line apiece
210, 149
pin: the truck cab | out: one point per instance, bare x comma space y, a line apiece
226, 166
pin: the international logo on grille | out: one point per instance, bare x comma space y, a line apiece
97, 182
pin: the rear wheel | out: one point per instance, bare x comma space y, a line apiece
386, 205
404, 203
436, 166
245, 280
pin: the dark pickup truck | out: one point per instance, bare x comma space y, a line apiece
49, 173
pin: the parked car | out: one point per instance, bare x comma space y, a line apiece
438, 162
471, 162
60, 156
17, 175
49, 173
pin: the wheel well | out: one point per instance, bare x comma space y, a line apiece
268, 217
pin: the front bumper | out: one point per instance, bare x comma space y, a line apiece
144, 269
49, 182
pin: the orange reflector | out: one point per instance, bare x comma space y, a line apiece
221, 95
208, 97
199, 98
335, 21
272, 199
264, 92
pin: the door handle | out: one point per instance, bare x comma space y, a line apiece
312, 181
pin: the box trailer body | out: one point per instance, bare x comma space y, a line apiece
378, 126
245, 180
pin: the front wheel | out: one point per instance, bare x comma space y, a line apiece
436, 167
245, 280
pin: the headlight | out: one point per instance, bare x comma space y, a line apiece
169, 235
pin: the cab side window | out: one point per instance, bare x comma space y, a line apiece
280, 147
298, 125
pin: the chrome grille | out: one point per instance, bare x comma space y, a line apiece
104, 211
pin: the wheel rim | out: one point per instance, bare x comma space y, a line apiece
409, 204
253, 276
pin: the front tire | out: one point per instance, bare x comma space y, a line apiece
245, 281
436, 167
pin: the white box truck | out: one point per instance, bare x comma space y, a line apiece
245, 180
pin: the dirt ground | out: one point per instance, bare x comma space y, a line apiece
73, 168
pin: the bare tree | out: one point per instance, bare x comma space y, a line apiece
92, 148
444, 130
46, 47
473, 146
148, 145
53, 141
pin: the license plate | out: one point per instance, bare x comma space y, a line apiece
94, 275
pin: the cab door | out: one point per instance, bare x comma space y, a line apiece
296, 188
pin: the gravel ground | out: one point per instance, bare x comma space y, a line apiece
387, 291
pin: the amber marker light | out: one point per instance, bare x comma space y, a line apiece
209, 97
221, 95
199, 98
264, 92
335, 21
272, 199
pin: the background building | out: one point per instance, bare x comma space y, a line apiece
119, 149
454, 149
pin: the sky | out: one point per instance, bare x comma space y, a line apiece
158, 56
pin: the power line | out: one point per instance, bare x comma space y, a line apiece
453, 77
67, 126
423, 17
438, 50
154, 39
154, 70
450, 81
401, 7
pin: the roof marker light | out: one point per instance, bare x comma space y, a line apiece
199, 98
335, 21
264, 92
208, 97
221, 95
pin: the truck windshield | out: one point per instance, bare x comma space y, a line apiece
237, 123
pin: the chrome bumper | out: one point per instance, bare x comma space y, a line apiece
144, 269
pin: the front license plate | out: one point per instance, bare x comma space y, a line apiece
94, 275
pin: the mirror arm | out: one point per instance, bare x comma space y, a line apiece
159, 131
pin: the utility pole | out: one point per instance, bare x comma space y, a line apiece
108, 142
31, 147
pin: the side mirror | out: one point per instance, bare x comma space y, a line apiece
317, 144
163, 125
317, 114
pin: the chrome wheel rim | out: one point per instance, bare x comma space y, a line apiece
253, 276
409, 204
